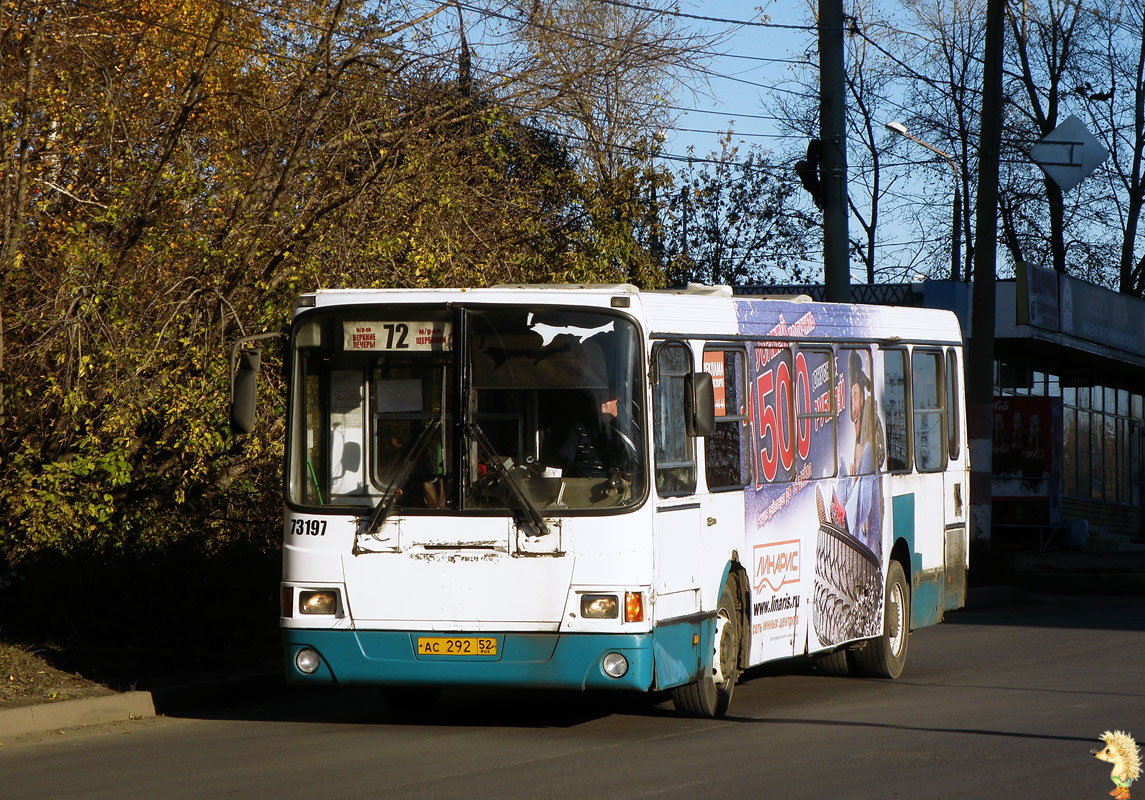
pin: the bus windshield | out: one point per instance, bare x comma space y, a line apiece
437, 411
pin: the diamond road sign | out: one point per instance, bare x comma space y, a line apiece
1069, 153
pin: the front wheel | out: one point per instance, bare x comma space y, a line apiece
711, 694
885, 656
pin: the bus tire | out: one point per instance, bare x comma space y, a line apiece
710, 695
405, 701
835, 664
885, 655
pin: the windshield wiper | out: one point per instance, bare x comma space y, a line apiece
528, 515
400, 476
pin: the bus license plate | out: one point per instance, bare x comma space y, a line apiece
456, 646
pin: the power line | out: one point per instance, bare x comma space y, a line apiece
194, 35
701, 18
442, 55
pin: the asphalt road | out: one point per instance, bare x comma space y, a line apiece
1002, 703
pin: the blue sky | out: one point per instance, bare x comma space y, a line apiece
755, 66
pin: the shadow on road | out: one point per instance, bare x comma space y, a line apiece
459, 707
834, 723
1117, 613
266, 698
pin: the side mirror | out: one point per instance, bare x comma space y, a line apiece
699, 404
244, 385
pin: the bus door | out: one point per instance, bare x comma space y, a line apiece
679, 513
955, 487
727, 460
917, 448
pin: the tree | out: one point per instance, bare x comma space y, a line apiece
871, 81
1046, 41
732, 221
174, 173
1115, 111
601, 74
942, 69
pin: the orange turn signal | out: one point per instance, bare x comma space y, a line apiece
633, 607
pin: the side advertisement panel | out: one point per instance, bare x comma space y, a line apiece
814, 509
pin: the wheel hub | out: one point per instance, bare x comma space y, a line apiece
723, 659
895, 622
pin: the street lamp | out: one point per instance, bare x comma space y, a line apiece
956, 245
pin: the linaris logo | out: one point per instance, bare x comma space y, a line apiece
776, 564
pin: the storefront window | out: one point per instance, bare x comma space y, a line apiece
1101, 448
1069, 451
1122, 471
1102, 433
1135, 437
1083, 453
1097, 467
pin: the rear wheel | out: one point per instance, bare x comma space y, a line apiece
711, 694
885, 655
834, 664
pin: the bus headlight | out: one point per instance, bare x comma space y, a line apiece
307, 660
614, 665
599, 606
318, 601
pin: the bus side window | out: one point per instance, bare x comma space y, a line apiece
675, 451
725, 451
773, 441
895, 410
309, 475
953, 386
927, 374
815, 413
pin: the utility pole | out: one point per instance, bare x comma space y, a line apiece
833, 166
980, 359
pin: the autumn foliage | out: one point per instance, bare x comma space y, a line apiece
173, 173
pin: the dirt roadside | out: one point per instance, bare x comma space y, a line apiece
27, 678
36, 673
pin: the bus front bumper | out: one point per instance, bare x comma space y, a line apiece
542, 660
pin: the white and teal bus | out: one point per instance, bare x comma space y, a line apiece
599, 487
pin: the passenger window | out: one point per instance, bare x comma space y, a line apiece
773, 429
927, 372
864, 435
953, 385
895, 410
815, 450
675, 456
725, 451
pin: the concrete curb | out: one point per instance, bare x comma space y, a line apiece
136, 705
75, 713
